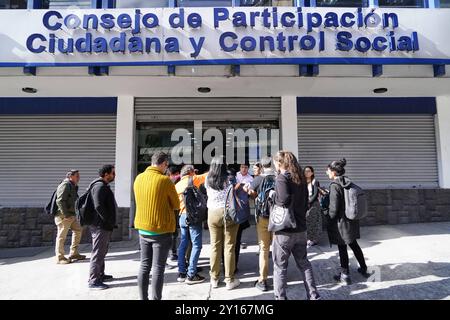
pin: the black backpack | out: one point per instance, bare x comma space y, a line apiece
195, 204
263, 202
324, 199
51, 208
84, 207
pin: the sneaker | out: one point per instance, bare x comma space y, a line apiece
343, 278
310, 244
195, 279
174, 258
181, 277
214, 283
98, 286
77, 257
262, 285
107, 277
171, 266
364, 272
233, 284
63, 261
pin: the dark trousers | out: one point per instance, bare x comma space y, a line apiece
100, 244
343, 255
238, 243
154, 252
285, 245
174, 248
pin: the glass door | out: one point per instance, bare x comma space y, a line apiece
197, 142
153, 136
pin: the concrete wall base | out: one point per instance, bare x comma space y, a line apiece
30, 227
398, 206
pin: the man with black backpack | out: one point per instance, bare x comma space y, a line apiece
65, 218
260, 189
192, 214
102, 225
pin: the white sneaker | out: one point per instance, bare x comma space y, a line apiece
214, 283
233, 284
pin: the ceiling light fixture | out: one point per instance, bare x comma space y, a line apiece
204, 90
380, 90
29, 90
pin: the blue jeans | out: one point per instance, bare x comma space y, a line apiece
195, 233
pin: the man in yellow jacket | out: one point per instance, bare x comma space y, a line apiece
156, 200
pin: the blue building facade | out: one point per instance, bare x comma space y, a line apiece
84, 83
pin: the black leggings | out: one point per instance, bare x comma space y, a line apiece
343, 255
174, 247
237, 248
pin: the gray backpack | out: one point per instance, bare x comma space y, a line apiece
355, 202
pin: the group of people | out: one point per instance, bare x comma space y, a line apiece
160, 208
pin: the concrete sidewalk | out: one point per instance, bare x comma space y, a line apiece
409, 262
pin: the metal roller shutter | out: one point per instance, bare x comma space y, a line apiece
36, 152
207, 109
397, 151
69, 4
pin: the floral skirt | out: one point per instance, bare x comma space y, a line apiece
314, 222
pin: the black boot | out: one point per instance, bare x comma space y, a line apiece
364, 273
343, 277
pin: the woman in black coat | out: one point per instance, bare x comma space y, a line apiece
341, 230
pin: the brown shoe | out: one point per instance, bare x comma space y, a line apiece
77, 257
63, 261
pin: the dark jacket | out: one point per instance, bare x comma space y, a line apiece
244, 196
66, 195
340, 229
285, 191
315, 193
104, 204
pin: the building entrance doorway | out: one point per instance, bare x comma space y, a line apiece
196, 142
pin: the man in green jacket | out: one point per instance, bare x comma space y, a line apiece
65, 219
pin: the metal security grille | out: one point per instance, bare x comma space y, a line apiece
66, 4
36, 152
207, 109
396, 151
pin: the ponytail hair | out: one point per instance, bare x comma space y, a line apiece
338, 167
289, 162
